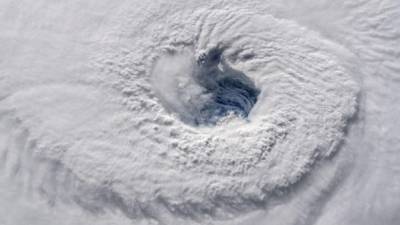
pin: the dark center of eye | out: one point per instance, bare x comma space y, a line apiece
231, 90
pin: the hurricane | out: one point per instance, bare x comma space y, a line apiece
199, 112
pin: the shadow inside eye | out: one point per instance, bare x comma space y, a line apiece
214, 56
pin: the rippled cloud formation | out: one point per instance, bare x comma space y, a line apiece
188, 112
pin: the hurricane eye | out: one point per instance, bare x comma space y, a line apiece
208, 89
231, 90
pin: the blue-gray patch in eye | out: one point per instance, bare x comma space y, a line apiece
231, 90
